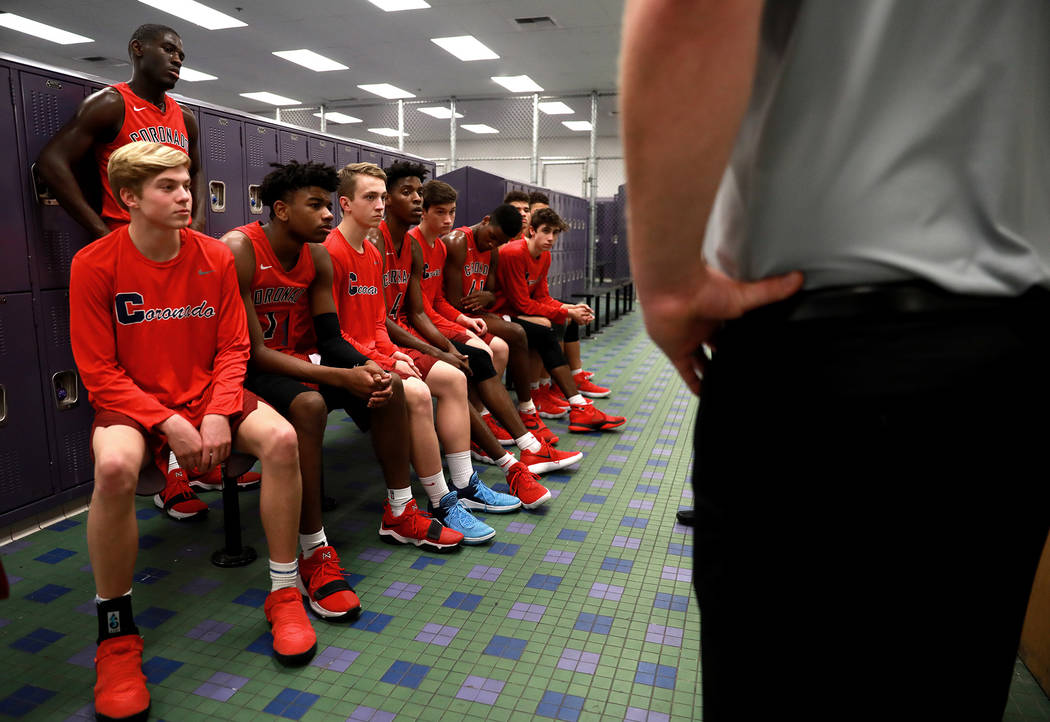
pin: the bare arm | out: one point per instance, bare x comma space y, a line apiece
709, 46
455, 256
197, 185
96, 121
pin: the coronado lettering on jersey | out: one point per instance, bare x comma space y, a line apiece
356, 290
129, 310
277, 294
161, 134
477, 267
396, 275
427, 273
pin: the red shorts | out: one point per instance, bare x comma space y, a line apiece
423, 362
155, 441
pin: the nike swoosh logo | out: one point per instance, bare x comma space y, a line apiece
137, 109
265, 267
203, 273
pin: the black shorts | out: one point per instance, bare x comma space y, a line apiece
481, 367
544, 340
280, 391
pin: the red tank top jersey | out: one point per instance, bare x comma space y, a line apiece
432, 285
152, 339
281, 298
475, 264
523, 283
358, 290
142, 121
397, 268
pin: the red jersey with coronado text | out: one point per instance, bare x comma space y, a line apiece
475, 264
357, 285
151, 339
523, 283
397, 269
432, 285
281, 297
142, 121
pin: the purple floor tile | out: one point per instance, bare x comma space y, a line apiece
617, 457
687, 493
209, 630
557, 556
89, 608
670, 636
521, 527
85, 657
402, 590
480, 689
627, 542
221, 686
644, 504
375, 555
200, 586
575, 660
603, 484
677, 574
526, 612
581, 515
15, 546
336, 659
555, 493
489, 574
439, 634
87, 712
637, 714
362, 713
681, 529
608, 592
652, 475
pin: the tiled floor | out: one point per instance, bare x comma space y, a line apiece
582, 611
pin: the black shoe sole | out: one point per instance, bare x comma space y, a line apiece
296, 660
137, 717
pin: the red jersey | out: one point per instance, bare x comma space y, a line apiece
523, 283
475, 264
357, 287
397, 269
153, 339
437, 307
142, 121
281, 297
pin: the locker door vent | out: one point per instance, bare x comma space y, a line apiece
59, 327
76, 457
217, 144
43, 116
3, 336
58, 250
256, 152
12, 475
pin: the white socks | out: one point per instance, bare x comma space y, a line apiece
460, 468
528, 442
283, 574
399, 498
435, 485
309, 543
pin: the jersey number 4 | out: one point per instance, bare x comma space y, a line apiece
276, 328
395, 308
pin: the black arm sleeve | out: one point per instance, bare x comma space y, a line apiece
335, 350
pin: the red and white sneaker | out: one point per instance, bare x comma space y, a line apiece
587, 417
502, 435
535, 424
546, 405
178, 500
321, 581
588, 388
294, 639
120, 685
557, 394
478, 454
415, 526
212, 481
547, 458
526, 486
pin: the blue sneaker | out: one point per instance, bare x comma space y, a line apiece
452, 514
478, 496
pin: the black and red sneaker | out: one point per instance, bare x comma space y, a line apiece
535, 424
322, 582
294, 639
178, 500
587, 417
415, 526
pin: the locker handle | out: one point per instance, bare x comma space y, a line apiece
40, 188
3, 404
217, 195
65, 389
254, 200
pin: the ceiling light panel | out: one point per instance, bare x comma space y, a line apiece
40, 30
386, 90
578, 125
341, 118
196, 13
388, 132
310, 59
271, 98
479, 128
518, 83
465, 47
392, 6
555, 107
439, 111
194, 76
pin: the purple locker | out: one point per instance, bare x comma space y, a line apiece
69, 414
346, 154
388, 159
322, 150
260, 150
54, 237
292, 146
25, 474
368, 155
221, 156
14, 272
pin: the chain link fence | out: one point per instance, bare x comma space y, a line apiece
567, 143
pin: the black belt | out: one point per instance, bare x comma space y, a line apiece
887, 299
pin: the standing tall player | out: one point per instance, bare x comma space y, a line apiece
156, 284
285, 278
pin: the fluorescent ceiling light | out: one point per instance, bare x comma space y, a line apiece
479, 128
194, 76
394, 5
577, 124
194, 12
518, 83
39, 30
339, 118
386, 90
271, 98
555, 107
439, 111
465, 47
388, 132
310, 59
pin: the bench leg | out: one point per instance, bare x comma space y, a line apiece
234, 554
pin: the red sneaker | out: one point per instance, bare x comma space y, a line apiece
535, 424
557, 394
502, 435
415, 526
587, 417
321, 581
526, 486
588, 388
212, 481
120, 685
547, 458
546, 405
294, 640
178, 500
478, 454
